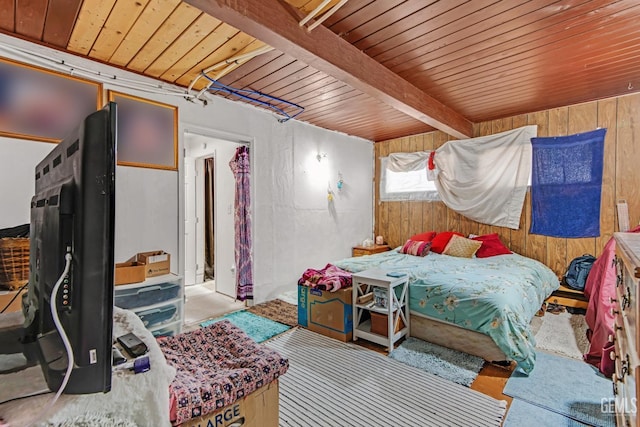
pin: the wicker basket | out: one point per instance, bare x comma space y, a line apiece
14, 262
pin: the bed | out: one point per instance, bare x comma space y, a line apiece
481, 306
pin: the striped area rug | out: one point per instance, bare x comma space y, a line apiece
330, 383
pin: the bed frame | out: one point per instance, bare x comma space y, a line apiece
452, 336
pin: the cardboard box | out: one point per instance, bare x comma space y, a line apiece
327, 313
8, 296
259, 409
379, 323
129, 272
157, 263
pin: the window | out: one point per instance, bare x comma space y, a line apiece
410, 185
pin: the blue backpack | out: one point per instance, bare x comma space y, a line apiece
577, 272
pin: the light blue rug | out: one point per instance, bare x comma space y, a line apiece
523, 414
444, 362
257, 327
566, 386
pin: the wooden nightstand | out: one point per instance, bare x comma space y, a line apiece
369, 250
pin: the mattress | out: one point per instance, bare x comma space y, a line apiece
497, 296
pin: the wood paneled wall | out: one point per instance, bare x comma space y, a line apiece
397, 221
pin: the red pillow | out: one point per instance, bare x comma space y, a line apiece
441, 240
427, 236
491, 246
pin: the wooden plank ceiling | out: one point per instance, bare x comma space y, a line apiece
484, 59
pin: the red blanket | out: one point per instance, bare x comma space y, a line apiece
330, 278
600, 288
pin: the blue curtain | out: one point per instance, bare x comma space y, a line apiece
566, 184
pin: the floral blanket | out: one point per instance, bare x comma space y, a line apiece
497, 296
330, 278
216, 365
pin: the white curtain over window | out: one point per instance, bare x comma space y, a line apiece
408, 162
403, 177
485, 178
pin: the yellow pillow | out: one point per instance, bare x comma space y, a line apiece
462, 247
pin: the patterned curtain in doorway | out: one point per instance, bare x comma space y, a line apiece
241, 171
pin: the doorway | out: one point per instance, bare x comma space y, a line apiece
210, 270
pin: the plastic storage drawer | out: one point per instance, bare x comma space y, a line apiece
159, 315
166, 330
146, 295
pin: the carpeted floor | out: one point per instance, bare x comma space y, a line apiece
257, 327
277, 310
563, 334
332, 383
565, 386
452, 365
523, 414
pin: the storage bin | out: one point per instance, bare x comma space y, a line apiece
160, 315
379, 323
146, 295
166, 330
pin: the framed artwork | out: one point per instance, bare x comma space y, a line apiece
147, 132
43, 105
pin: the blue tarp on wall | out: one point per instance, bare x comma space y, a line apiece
566, 184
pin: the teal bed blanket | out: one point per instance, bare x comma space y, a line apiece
497, 296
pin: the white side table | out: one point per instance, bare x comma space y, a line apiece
363, 284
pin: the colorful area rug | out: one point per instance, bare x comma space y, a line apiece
277, 310
332, 383
258, 328
568, 387
452, 365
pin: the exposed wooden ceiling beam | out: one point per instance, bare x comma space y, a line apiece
275, 24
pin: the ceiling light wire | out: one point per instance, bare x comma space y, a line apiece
75, 70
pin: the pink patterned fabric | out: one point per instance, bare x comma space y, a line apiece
241, 169
416, 247
216, 365
599, 288
330, 278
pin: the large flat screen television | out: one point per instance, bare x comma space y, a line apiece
72, 231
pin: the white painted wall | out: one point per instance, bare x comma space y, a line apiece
293, 226
18, 159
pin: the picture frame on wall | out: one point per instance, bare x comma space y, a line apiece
147, 132
43, 105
